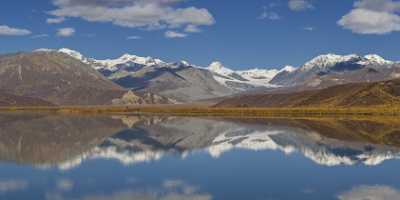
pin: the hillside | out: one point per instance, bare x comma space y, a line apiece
7, 99
349, 95
56, 78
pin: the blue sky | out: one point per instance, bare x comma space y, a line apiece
241, 34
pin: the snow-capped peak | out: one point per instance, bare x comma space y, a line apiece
43, 50
184, 62
256, 73
72, 53
376, 59
328, 60
219, 68
288, 68
128, 58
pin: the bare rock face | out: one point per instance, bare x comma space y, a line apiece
182, 83
128, 98
55, 78
131, 98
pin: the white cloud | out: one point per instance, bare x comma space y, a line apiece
268, 14
12, 185
309, 28
378, 5
10, 31
56, 20
372, 17
370, 192
192, 29
174, 34
66, 32
300, 5
134, 37
40, 36
148, 14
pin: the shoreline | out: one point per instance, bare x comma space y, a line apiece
195, 110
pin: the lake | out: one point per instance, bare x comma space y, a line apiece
83, 157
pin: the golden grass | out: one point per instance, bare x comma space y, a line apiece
196, 110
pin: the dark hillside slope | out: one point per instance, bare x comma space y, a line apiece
7, 99
383, 93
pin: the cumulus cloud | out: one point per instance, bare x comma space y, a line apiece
370, 192
192, 29
56, 20
10, 31
300, 5
40, 36
372, 17
174, 34
66, 32
148, 14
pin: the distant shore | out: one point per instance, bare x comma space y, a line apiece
202, 110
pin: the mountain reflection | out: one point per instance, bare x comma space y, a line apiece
65, 141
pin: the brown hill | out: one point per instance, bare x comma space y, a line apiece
348, 95
56, 78
7, 99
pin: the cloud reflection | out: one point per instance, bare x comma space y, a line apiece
169, 190
365, 192
12, 185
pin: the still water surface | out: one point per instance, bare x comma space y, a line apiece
59, 157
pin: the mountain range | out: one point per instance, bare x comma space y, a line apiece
66, 77
186, 82
181, 81
327, 70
